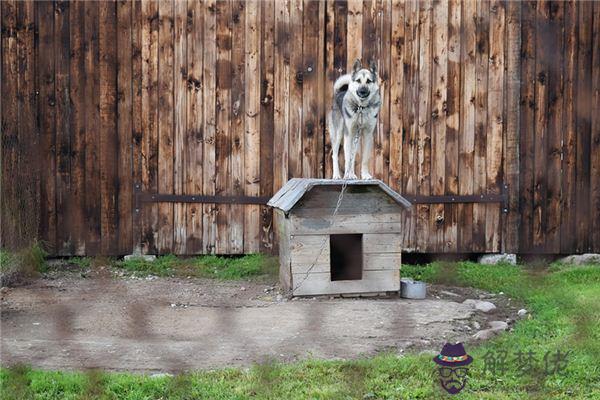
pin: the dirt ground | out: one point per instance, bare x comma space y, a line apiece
174, 324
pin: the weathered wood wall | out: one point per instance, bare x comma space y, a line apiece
229, 98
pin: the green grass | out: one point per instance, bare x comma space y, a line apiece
224, 268
23, 264
564, 307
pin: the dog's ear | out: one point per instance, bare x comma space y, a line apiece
373, 67
357, 65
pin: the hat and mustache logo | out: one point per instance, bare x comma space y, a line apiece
453, 363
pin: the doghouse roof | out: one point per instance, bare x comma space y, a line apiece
296, 188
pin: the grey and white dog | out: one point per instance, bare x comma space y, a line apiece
356, 104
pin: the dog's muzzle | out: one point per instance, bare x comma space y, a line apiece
363, 93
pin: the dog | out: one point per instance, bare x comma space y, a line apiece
356, 105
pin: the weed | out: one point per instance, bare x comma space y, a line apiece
25, 264
162, 266
232, 268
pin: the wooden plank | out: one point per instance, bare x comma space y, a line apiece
583, 126
47, 103
569, 177
320, 283
10, 123
330, 76
92, 123
481, 122
194, 135
27, 211
357, 223
424, 125
296, 77
125, 85
165, 124
63, 109
382, 138
180, 78
209, 214
409, 116
495, 125
310, 127
267, 132
595, 139
77, 126
354, 42
150, 90
396, 96
223, 134
239, 74
376, 243
354, 46
511, 220
527, 126
453, 128
555, 127
107, 70
466, 141
439, 78
137, 26
251, 136
281, 93
542, 61
285, 275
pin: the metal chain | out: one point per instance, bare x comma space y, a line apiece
335, 211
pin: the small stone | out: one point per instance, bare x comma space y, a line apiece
161, 375
498, 325
581, 259
173, 304
485, 334
242, 288
476, 325
485, 306
279, 297
493, 259
522, 312
145, 257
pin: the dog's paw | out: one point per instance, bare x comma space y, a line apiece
336, 176
366, 176
350, 175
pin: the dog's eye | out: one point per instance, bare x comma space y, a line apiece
369, 81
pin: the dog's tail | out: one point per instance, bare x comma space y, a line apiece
341, 84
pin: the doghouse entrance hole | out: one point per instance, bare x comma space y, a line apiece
346, 257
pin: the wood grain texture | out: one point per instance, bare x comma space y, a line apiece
252, 135
231, 98
195, 134
180, 78
125, 124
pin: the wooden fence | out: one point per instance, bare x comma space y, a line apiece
230, 98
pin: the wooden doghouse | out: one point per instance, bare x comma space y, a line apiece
356, 251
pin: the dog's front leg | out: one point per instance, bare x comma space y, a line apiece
336, 136
367, 153
349, 153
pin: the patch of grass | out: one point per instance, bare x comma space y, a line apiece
81, 262
564, 309
162, 266
235, 268
24, 264
216, 267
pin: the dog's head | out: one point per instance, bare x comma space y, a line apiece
364, 81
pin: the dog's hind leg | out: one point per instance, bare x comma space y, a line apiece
366, 154
336, 131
